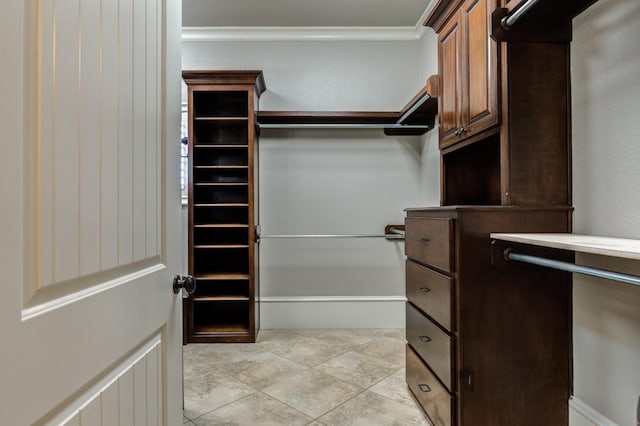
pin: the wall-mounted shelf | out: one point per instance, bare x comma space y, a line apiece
416, 118
536, 20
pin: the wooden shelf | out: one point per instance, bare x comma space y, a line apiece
230, 146
215, 277
221, 118
222, 184
222, 225
225, 329
605, 246
220, 246
326, 117
221, 205
220, 167
423, 107
226, 298
416, 118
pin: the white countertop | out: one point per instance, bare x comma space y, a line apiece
607, 246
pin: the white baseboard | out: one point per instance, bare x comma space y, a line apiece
581, 414
332, 312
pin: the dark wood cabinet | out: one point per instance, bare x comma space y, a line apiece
487, 343
223, 206
503, 111
468, 70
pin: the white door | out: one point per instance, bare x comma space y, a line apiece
89, 216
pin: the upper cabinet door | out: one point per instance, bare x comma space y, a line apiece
480, 74
450, 102
468, 68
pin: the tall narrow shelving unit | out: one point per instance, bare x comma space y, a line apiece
223, 206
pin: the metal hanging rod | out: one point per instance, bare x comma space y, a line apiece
391, 233
342, 126
396, 236
508, 21
570, 267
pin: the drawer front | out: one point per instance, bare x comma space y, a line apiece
432, 292
434, 399
430, 241
432, 344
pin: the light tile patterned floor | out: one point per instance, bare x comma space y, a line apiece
300, 377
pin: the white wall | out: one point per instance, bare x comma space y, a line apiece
605, 62
430, 173
334, 181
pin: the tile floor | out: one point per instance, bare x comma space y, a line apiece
300, 377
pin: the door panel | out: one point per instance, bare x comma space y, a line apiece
449, 100
89, 121
480, 110
478, 60
129, 393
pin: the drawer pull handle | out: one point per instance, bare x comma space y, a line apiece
425, 339
425, 289
424, 388
424, 240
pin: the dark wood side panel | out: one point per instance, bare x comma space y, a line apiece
539, 124
515, 326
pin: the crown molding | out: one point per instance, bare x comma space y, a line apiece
193, 34
404, 33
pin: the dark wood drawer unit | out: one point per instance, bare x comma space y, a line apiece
432, 292
430, 241
434, 399
434, 345
496, 338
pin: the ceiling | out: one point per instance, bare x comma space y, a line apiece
303, 13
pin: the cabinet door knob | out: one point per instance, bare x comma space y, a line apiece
463, 130
457, 132
425, 339
424, 387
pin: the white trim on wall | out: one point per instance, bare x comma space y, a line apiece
301, 33
332, 312
582, 414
